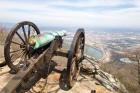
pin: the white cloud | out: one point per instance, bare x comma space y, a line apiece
94, 3
6, 5
49, 14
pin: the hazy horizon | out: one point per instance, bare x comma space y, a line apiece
94, 29
73, 14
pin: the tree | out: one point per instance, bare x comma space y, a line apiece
135, 56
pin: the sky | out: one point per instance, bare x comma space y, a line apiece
73, 13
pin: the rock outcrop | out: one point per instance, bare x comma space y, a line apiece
91, 80
90, 67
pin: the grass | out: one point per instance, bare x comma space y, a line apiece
3, 34
126, 73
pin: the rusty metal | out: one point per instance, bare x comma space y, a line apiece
75, 56
38, 63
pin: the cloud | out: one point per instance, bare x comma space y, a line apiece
73, 13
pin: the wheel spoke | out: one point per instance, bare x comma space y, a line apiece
22, 54
24, 33
17, 43
20, 37
12, 56
29, 31
17, 50
82, 46
82, 42
26, 57
73, 68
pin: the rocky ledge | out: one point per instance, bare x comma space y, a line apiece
92, 69
91, 80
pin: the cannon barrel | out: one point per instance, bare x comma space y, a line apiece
37, 41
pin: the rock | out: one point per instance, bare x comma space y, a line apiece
93, 79
110, 82
84, 84
97, 83
106, 79
89, 66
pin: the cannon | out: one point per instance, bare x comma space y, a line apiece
27, 63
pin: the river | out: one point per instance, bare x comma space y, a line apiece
94, 52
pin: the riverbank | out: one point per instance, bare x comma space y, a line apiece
106, 55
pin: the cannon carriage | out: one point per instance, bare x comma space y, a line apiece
27, 64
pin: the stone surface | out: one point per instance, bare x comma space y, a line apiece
83, 85
106, 79
92, 79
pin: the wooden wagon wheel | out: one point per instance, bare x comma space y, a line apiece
17, 48
75, 56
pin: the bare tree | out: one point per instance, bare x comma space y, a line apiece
3, 34
135, 56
